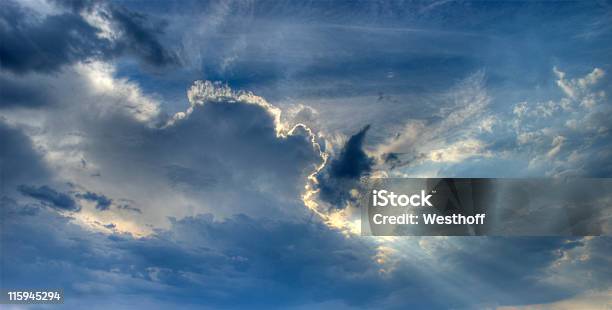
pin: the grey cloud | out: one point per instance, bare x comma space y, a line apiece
141, 37
19, 161
238, 261
46, 45
222, 155
15, 92
343, 172
103, 203
50, 197
129, 208
352, 162
247, 262
33, 43
183, 177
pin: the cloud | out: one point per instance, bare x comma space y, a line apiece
19, 161
459, 151
455, 135
205, 208
577, 87
580, 264
203, 261
343, 171
226, 149
570, 135
229, 172
45, 45
223, 152
128, 207
235, 262
555, 137
16, 93
92, 86
50, 197
352, 162
33, 42
140, 36
584, 301
103, 203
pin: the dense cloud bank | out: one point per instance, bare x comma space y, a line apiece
244, 261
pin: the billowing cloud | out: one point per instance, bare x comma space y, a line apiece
228, 149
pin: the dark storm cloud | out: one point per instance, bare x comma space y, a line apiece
46, 45
103, 203
141, 37
344, 171
352, 162
31, 43
50, 197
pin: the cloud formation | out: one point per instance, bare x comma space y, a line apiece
34, 42
102, 202
344, 170
129, 194
244, 261
19, 161
227, 149
50, 197
551, 137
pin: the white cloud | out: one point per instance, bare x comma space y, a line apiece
576, 120
459, 151
579, 88
556, 144
98, 18
106, 93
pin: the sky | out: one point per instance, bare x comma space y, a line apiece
199, 154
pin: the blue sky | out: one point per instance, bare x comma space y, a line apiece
202, 154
